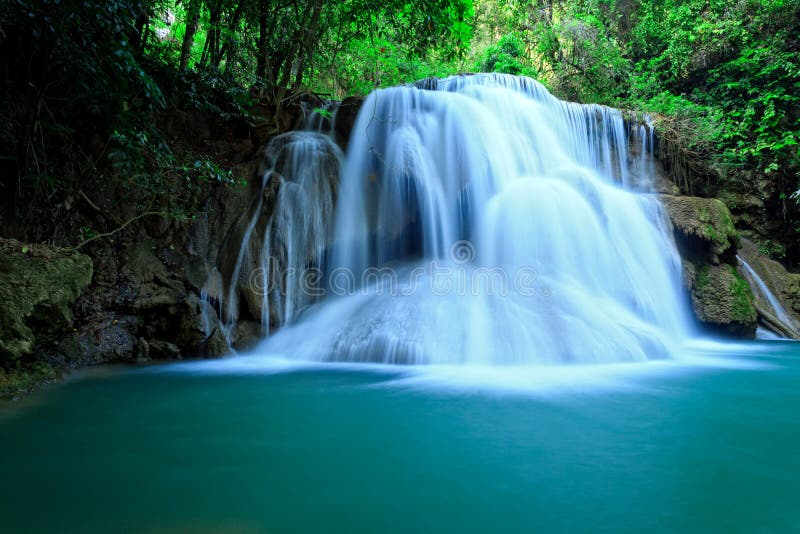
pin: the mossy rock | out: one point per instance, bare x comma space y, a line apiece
703, 228
38, 284
25, 379
722, 299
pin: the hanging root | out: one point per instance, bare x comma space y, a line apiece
683, 154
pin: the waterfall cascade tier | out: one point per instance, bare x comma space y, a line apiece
480, 220
297, 193
774, 305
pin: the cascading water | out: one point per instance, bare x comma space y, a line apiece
320, 118
645, 162
302, 169
760, 287
487, 222
299, 229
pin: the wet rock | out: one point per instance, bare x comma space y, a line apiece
164, 350
247, 335
190, 331
149, 284
215, 345
197, 271
143, 351
38, 285
703, 228
99, 342
346, 119
707, 240
722, 299
784, 285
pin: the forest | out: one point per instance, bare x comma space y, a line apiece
87, 84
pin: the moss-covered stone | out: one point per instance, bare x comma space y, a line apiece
38, 284
703, 228
722, 299
26, 378
708, 241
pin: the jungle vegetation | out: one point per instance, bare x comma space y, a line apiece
84, 82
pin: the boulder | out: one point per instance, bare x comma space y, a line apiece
722, 299
707, 240
215, 345
703, 228
103, 341
38, 285
247, 335
149, 285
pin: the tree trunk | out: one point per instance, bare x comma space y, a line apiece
192, 21
264, 66
139, 32
225, 53
211, 46
309, 40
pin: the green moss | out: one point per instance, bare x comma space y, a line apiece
743, 306
36, 288
703, 276
771, 248
711, 234
722, 299
25, 378
704, 218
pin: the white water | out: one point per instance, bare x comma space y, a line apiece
305, 165
775, 305
645, 160
300, 226
490, 223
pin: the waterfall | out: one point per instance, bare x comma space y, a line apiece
298, 232
273, 263
320, 118
645, 160
480, 220
763, 291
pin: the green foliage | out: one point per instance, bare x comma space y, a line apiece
151, 170
733, 68
87, 79
771, 248
365, 46
506, 56
85, 234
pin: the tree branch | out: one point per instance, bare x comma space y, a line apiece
122, 227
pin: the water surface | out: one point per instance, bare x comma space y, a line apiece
249, 446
